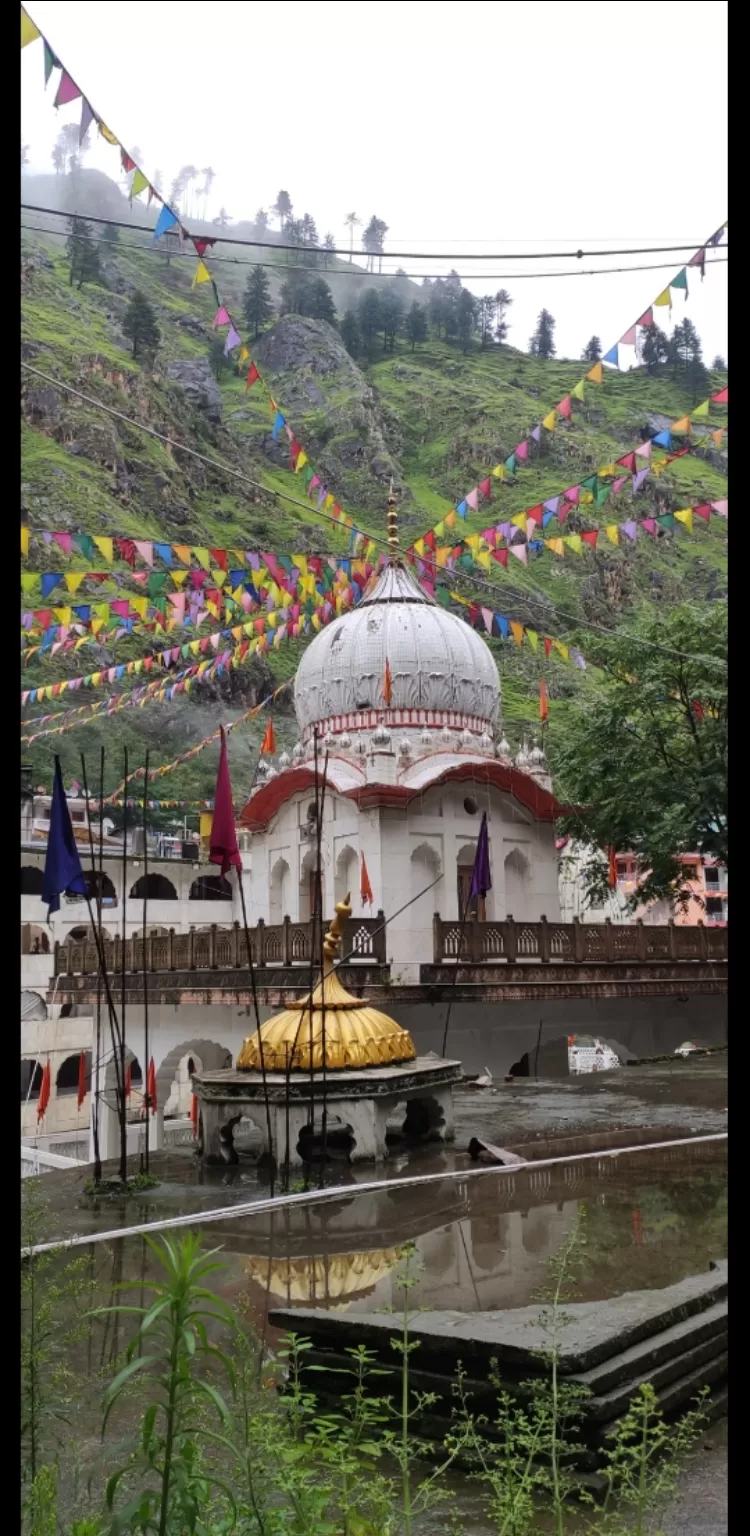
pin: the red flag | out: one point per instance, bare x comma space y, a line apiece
128, 1079
387, 687
269, 740
44, 1093
612, 866
194, 1113
543, 703
365, 889
252, 377
151, 1086
224, 849
81, 1078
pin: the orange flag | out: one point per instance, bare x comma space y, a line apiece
543, 703
387, 685
269, 740
365, 889
612, 867
81, 1078
44, 1093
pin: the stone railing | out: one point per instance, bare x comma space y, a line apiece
575, 943
272, 944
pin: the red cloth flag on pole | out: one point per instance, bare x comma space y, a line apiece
543, 702
224, 849
128, 1079
269, 740
365, 889
151, 1086
44, 1093
194, 1113
612, 866
81, 1078
387, 683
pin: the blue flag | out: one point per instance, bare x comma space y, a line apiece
62, 869
481, 879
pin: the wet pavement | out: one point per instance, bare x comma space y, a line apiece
674, 1098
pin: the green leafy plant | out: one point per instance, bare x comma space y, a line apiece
52, 1293
162, 1358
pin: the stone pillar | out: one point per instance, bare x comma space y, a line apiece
218, 1122
298, 1117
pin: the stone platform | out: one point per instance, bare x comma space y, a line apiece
675, 1338
359, 1104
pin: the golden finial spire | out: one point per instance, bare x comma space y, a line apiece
343, 910
392, 518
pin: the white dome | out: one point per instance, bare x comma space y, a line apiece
436, 660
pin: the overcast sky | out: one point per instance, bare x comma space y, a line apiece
480, 127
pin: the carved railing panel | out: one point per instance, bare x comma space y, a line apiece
575, 943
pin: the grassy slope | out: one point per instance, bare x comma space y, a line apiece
446, 420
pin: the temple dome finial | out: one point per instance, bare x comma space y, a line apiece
392, 519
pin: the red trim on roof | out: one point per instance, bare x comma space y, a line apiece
265, 803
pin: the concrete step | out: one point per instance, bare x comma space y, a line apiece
652, 1352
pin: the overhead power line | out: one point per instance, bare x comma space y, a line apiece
236, 474
356, 271
273, 245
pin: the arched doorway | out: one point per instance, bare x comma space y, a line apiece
32, 880
154, 888
517, 884
32, 1073
347, 880
66, 1081
211, 888
475, 906
279, 892
307, 887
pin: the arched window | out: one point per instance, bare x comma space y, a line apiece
31, 1080
517, 883
154, 888
347, 876
32, 880
34, 939
67, 1076
308, 886
211, 888
425, 868
94, 882
279, 891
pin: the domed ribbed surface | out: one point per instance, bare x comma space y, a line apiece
436, 661
355, 1035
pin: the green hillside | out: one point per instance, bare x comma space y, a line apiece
433, 418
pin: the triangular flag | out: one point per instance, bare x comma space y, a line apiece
50, 62
549, 422
595, 374
579, 393
683, 425
202, 274
573, 541
519, 550
564, 408
722, 396
24, 541
517, 632
700, 410
269, 740
105, 547
222, 317
685, 515
647, 318
67, 90
629, 338
612, 533
680, 281
365, 889
29, 33
138, 184
87, 118
543, 703
611, 356
664, 299
590, 537
252, 376
166, 220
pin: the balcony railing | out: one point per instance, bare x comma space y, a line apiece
272, 944
576, 943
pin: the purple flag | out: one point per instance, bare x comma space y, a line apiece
637, 480
481, 879
233, 340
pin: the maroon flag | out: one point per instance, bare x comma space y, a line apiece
224, 848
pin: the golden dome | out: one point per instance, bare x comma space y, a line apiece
355, 1035
322, 1279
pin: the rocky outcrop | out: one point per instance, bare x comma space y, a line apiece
332, 407
198, 382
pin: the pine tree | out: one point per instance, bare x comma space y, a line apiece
486, 309
466, 318
217, 358
542, 342
592, 351
503, 302
686, 359
139, 324
391, 317
654, 348
318, 301
719, 364
282, 208
256, 302
351, 334
369, 319
82, 252
416, 324
261, 221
